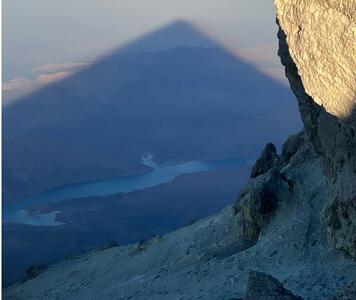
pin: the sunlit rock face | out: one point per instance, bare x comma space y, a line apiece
321, 35
317, 47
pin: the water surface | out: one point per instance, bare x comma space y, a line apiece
124, 184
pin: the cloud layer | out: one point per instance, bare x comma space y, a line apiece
46, 74
262, 56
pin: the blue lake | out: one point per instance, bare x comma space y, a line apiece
158, 175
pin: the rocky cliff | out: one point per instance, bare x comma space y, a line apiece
290, 221
318, 48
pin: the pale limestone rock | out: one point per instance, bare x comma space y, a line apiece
321, 35
317, 47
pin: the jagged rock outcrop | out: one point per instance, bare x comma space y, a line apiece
291, 146
347, 292
268, 159
269, 186
318, 49
262, 286
259, 200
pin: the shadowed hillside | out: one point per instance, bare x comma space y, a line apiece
156, 95
179, 103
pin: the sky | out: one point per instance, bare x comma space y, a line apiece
66, 34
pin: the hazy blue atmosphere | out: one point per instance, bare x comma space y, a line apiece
39, 32
137, 117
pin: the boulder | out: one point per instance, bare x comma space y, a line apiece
261, 286
259, 200
266, 161
347, 292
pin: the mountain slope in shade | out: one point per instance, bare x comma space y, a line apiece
123, 218
210, 259
180, 103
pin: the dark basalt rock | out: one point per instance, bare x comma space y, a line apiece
267, 161
259, 200
34, 271
291, 146
261, 286
347, 292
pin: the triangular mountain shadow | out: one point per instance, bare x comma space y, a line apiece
180, 33
153, 96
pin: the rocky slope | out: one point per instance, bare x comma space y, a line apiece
290, 221
274, 228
